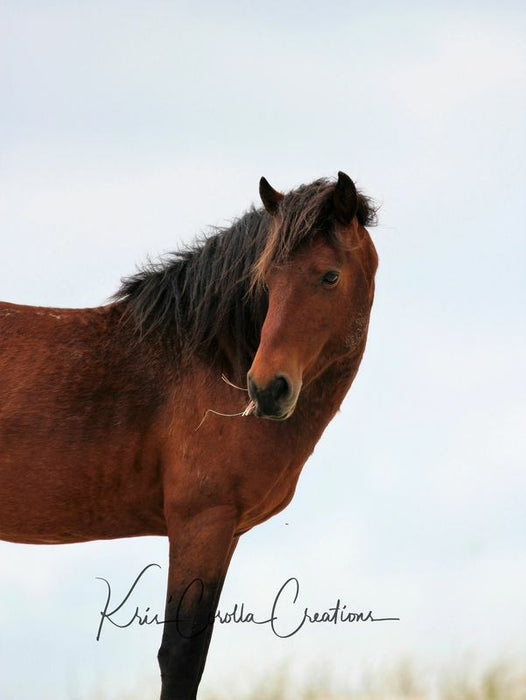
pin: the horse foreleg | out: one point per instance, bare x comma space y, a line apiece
200, 551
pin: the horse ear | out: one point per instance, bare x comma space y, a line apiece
269, 196
345, 199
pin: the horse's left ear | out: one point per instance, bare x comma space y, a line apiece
345, 199
269, 196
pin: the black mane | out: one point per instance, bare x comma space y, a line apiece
198, 298
202, 300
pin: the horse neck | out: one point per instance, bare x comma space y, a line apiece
323, 396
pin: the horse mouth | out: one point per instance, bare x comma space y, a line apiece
282, 416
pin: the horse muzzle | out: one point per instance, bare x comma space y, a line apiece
276, 400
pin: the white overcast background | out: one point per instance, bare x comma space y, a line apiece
129, 127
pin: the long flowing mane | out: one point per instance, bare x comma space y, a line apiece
203, 299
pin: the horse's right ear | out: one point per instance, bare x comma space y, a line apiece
269, 196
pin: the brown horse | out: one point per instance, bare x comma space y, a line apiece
101, 412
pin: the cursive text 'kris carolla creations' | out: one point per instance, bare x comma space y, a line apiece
286, 601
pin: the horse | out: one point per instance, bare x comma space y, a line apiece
187, 405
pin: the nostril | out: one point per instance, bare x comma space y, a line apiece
280, 388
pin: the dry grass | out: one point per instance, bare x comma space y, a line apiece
499, 682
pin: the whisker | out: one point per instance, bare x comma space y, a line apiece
249, 409
227, 381
246, 412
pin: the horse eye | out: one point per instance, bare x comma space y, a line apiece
331, 278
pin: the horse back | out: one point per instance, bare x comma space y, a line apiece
78, 410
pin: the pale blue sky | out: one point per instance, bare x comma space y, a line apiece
126, 128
